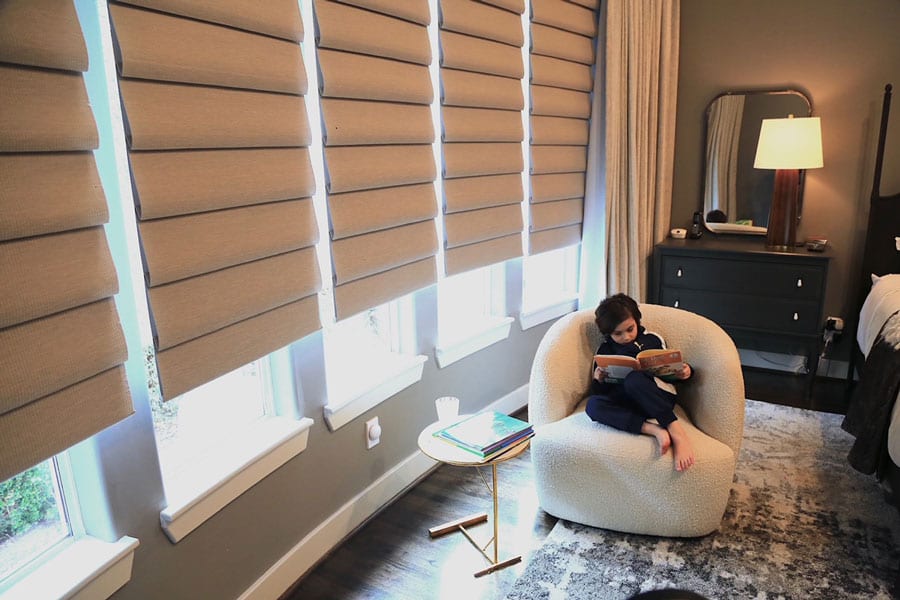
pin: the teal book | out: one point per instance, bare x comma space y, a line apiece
485, 432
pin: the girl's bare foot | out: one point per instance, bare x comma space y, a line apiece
681, 446
662, 436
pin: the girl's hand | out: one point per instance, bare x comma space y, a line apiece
599, 374
685, 371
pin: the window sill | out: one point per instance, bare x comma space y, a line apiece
400, 372
492, 331
86, 568
563, 306
210, 484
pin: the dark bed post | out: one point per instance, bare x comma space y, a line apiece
881, 223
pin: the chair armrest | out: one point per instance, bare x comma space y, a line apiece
561, 372
714, 396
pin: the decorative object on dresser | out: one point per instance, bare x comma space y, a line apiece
765, 299
788, 146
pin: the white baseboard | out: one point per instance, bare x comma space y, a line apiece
279, 578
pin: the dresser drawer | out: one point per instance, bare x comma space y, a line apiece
760, 278
777, 315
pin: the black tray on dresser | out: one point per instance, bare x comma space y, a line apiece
765, 299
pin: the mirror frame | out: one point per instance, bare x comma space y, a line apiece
734, 227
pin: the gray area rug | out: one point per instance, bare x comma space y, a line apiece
800, 523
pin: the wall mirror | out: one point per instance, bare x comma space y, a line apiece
736, 197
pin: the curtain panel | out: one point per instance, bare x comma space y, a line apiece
377, 134
562, 75
62, 347
218, 138
724, 133
481, 115
642, 81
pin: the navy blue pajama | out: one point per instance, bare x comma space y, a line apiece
627, 405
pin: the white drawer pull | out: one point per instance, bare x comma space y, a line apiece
799, 282
796, 317
678, 273
677, 302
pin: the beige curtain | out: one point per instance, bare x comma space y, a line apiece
218, 140
641, 87
723, 134
375, 95
562, 61
481, 113
61, 342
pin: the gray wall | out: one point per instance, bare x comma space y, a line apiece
229, 552
841, 54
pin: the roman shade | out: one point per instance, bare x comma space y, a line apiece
62, 347
562, 66
218, 136
377, 134
481, 113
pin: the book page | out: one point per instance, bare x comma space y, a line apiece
616, 367
661, 363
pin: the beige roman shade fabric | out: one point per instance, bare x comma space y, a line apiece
218, 136
378, 134
481, 114
61, 342
562, 70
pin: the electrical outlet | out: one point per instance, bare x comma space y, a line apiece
373, 433
834, 324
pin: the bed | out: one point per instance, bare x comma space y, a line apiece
873, 415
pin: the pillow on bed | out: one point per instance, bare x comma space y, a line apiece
883, 301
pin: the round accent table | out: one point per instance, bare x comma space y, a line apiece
446, 452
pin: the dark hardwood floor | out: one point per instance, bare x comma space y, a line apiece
392, 556
827, 394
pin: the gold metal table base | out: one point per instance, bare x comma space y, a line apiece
460, 525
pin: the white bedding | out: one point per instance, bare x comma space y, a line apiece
883, 301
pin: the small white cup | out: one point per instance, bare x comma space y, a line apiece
447, 408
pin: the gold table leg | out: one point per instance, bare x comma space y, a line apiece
460, 525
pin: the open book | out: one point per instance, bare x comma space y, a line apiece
661, 363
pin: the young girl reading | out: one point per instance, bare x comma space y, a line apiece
630, 405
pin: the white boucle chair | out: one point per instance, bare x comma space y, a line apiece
596, 475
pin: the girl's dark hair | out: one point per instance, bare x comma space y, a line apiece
614, 310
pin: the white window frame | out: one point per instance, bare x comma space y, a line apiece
565, 302
80, 566
400, 367
227, 469
485, 329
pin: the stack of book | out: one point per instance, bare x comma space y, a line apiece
486, 434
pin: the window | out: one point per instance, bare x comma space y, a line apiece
44, 549
550, 285
471, 312
33, 518
218, 440
206, 417
369, 358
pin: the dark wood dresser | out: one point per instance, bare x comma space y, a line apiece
766, 300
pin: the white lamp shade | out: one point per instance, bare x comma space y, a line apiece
792, 143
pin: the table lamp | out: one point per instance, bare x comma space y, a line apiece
787, 145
